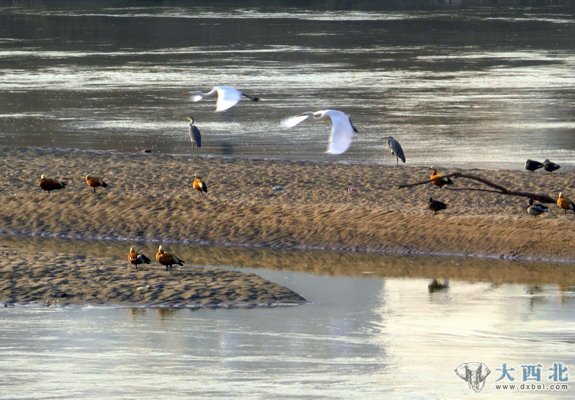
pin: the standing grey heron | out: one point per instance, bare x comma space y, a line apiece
195, 135
227, 97
342, 128
396, 149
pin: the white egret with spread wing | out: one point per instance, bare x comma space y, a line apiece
342, 128
227, 97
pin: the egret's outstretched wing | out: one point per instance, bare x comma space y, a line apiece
290, 122
196, 96
227, 97
341, 132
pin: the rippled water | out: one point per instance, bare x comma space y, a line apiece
360, 337
373, 328
454, 85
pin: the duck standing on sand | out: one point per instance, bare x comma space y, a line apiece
94, 182
199, 185
137, 258
565, 203
50, 184
535, 208
167, 259
531, 165
436, 205
550, 166
439, 180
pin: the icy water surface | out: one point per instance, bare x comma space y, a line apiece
373, 328
453, 85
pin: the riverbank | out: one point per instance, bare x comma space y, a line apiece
47, 278
279, 204
249, 203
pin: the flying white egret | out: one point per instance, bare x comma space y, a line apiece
195, 135
342, 128
396, 149
227, 97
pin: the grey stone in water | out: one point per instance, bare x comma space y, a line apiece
278, 188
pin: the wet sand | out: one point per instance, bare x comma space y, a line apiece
257, 203
49, 278
150, 198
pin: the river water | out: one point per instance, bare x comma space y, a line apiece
472, 86
482, 86
372, 329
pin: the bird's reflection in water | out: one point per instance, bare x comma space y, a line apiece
436, 286
162, 313
136, 311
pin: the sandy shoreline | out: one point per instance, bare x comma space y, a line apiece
320, 205
150, 199
48, 278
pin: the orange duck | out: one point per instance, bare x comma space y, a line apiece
167, 259
137, 258
94, 182
199, 185
50, 184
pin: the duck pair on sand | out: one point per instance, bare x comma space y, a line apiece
49, 184
167, 259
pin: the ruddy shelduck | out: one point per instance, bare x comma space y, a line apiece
199, 185
565, 203
94, 182
136, 258
167, 259
50, 184
439, 180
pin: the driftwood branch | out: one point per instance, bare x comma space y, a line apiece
543, 198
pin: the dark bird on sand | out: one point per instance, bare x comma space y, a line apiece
439, 180
200, 185
436, 205
136, 258
535, 208
550, 166
50, 184
167, 259
531, 165
94, 182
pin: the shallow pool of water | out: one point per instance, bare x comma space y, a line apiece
370, 331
